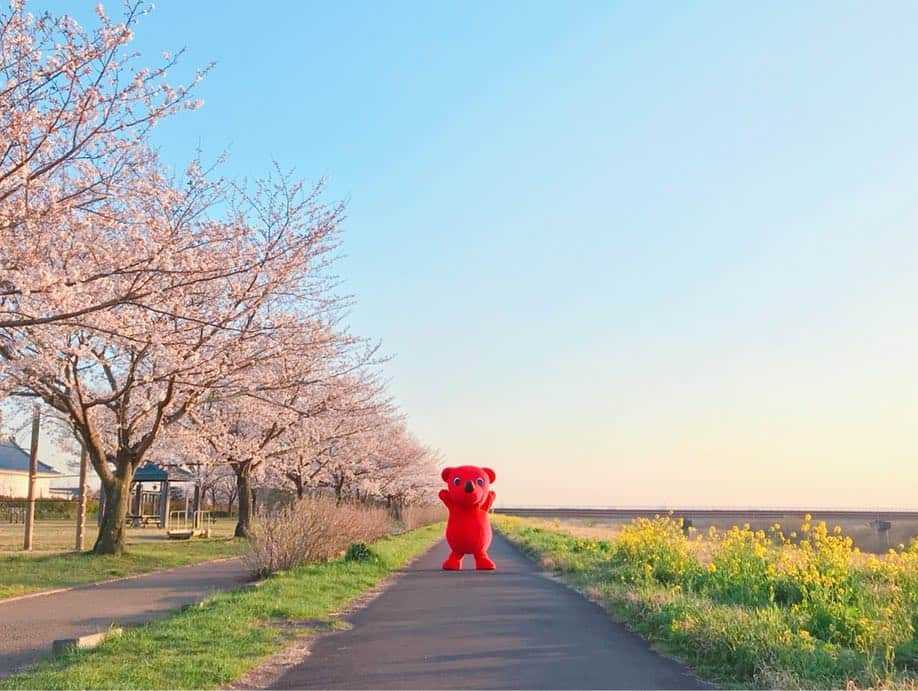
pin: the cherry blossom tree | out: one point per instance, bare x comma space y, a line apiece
241, 433
126, 374
280, 417
405, 470
176, 315
75, 117
351, 404
381, 461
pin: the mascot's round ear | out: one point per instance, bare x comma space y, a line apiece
490, 473
446, 473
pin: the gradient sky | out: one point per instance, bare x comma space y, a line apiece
625, 253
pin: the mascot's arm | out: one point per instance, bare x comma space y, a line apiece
488, 502
444, 497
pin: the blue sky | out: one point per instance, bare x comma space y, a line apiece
624, 253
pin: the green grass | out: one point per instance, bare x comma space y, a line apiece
734, 644
21, 574
54, 564
213, 645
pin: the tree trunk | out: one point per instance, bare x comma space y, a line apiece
296, 477
114, 515
244, 493
231, 492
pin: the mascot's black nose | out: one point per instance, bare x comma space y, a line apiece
469, 486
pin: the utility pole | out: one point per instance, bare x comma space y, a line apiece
33, 472
81, 507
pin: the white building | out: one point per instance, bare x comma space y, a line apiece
14, 472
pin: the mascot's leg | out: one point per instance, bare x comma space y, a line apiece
453, 562
483, 562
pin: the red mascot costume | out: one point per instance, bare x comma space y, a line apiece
469, 498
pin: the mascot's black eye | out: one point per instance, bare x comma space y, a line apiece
456, 481
480, 482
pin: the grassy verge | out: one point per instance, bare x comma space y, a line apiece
26, 573
218, 642
739, 609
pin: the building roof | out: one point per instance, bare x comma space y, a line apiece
14, 457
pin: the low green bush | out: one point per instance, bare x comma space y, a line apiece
359, 551
45, 509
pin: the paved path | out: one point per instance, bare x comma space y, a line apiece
509, 629
29, 626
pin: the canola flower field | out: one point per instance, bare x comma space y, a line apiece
777, 608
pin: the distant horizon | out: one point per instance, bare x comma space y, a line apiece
51, 454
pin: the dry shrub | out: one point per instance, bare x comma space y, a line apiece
768, 677
595, 593
547, 564
417, 515
309, 530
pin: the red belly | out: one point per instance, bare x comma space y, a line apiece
468, 531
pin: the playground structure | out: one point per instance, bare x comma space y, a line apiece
188, 523
151, 502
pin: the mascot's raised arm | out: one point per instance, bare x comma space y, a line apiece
469, 498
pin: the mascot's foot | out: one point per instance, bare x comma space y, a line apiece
484, 563
453, 563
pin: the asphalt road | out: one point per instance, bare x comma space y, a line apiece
507, 629
29, 626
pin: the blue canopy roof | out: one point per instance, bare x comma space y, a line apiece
150, 472
14, 457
